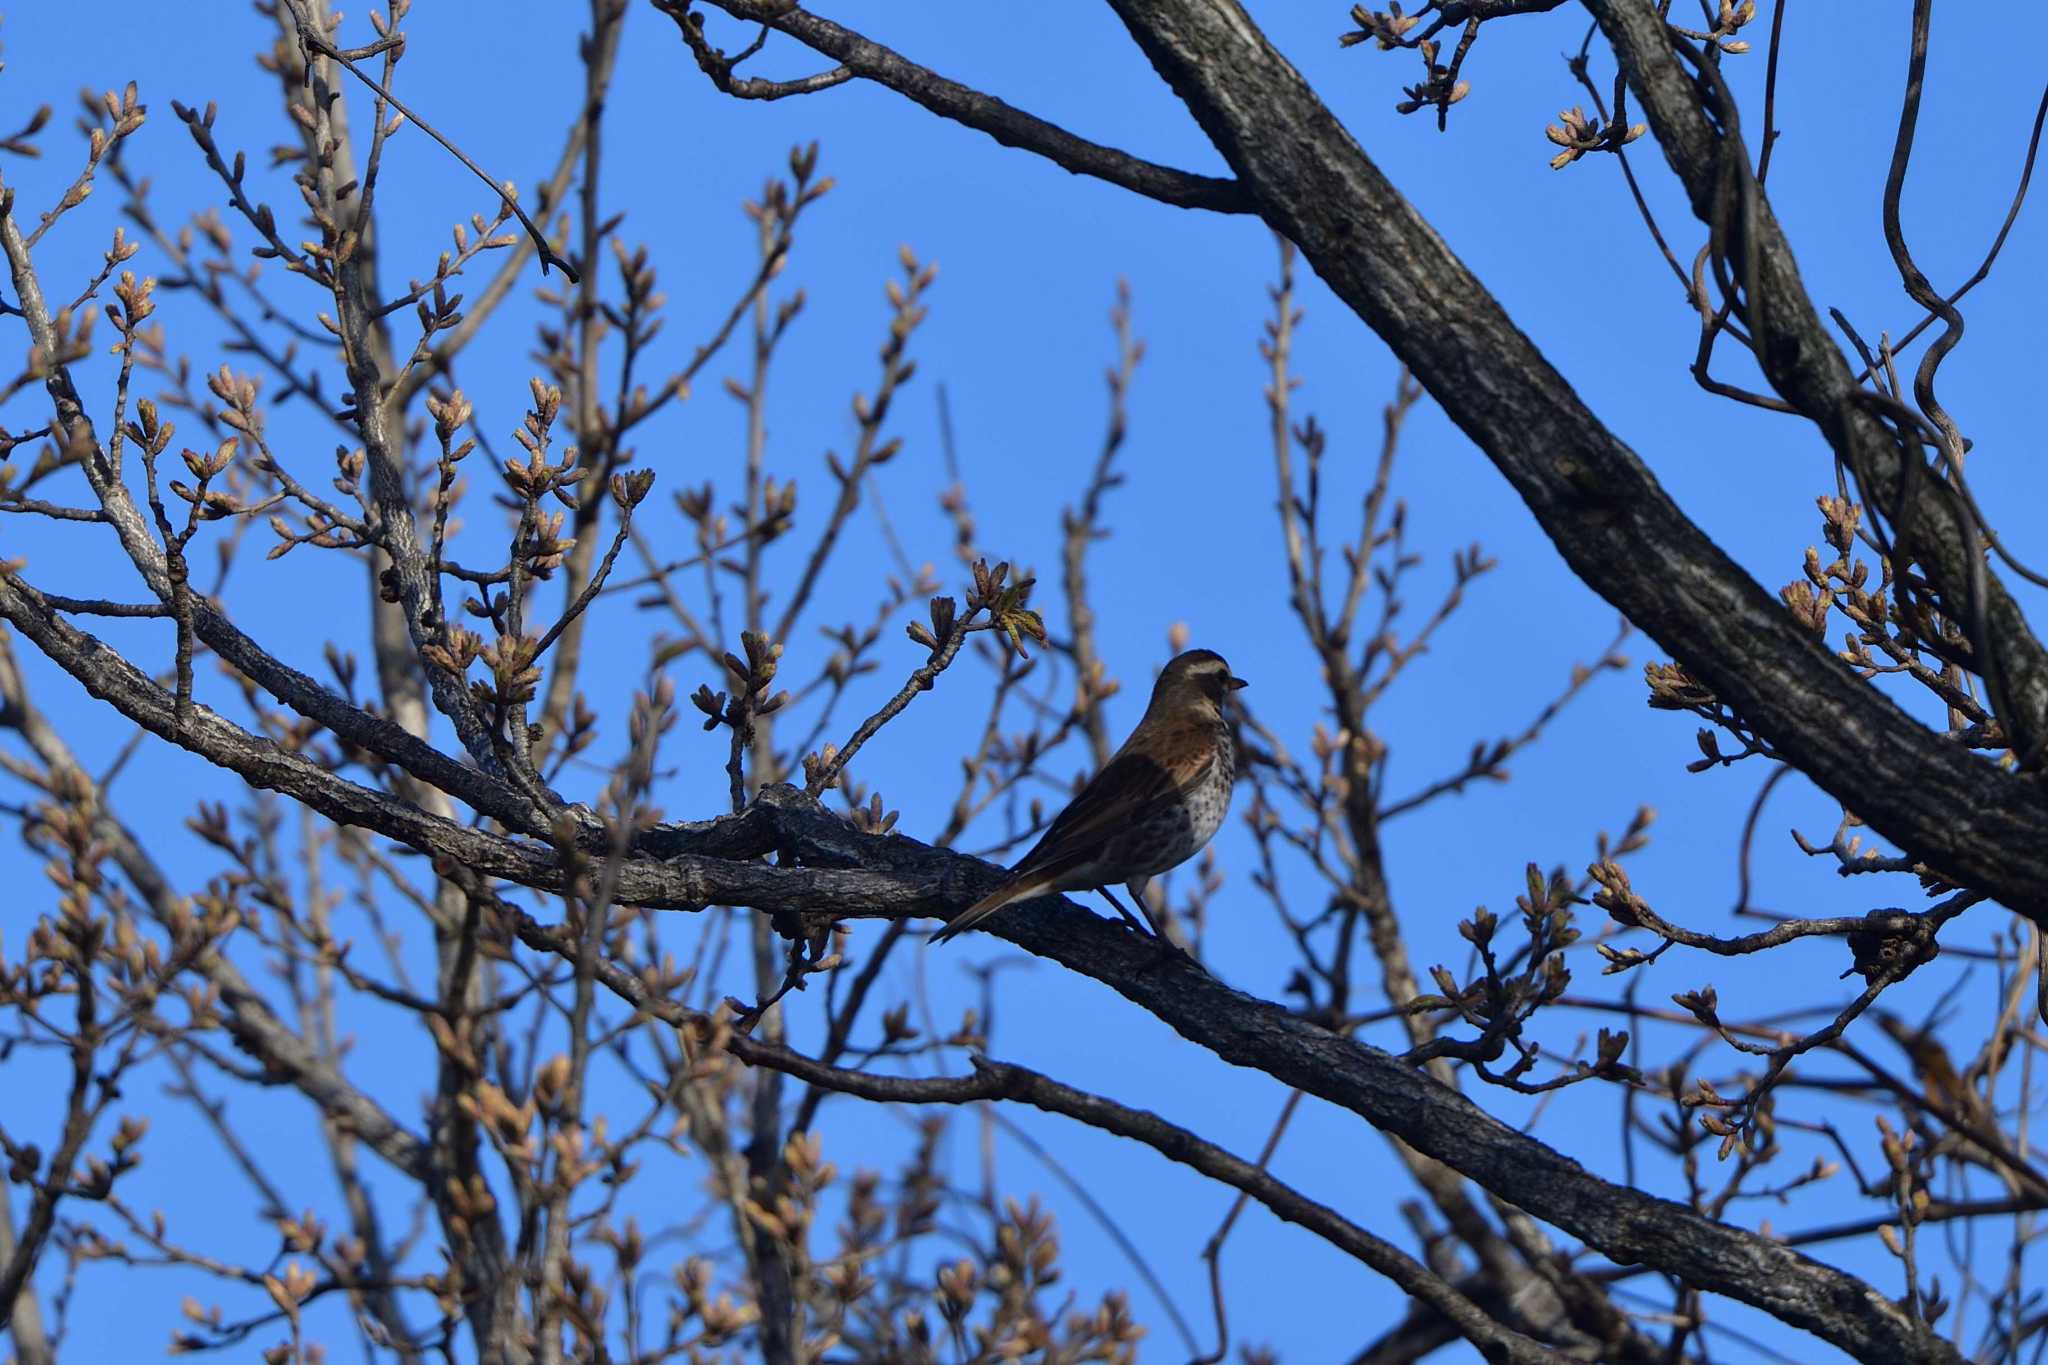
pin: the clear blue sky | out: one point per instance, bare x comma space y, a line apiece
1029, 257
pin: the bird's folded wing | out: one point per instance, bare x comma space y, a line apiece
1129, 790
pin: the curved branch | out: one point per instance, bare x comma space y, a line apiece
949, 99
686, 867
1001, 1081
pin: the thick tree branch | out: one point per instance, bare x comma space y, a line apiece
993, 1080
1000, 1081
1627, 1226
678, 876
1592, 494
1601, 506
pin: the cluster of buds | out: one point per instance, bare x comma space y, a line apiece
1579, 135
542, 545
1728, 20
1439, 87
515, 671
993, 593
507, 1124
721, 1318
451, 413
134, 299
1616, 896
629, 489
781, 201
751, 679
945, 614
1005, 604
1387, 31
238, 393
208, 504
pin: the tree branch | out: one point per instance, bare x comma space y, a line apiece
1000, 1081
1627, 1226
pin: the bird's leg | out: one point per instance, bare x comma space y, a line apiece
1137, 887
1129, 918
1165, 949
1168, 949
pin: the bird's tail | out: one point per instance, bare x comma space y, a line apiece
1009, 893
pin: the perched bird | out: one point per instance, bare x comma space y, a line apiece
1152, 807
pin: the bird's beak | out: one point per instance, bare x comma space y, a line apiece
1236, 683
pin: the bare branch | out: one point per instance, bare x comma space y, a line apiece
984, 113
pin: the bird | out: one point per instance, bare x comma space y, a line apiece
1158, 800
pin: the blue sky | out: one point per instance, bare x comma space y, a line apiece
1029, 258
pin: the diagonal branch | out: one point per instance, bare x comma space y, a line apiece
1002, 1081
1623, 1224
311, 39
686, 867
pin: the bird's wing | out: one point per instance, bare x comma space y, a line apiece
1127, 790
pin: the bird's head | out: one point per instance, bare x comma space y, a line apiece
1197, 680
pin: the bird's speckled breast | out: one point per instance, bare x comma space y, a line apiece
1209, 802
1181, 828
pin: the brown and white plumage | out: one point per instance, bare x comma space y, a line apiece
1158, 800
